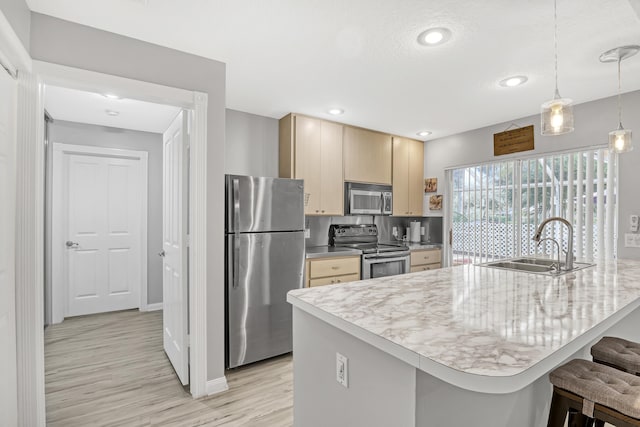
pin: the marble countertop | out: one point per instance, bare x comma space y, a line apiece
469, 322
329, 251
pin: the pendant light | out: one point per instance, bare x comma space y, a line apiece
620, 139
556, 116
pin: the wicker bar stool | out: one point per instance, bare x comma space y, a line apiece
618, 353
599, 392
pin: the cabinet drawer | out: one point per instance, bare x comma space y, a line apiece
335, 279
334, 267
425, 267
430, 256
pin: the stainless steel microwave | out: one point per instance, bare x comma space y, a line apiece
368, 199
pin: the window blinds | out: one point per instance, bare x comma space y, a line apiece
496, 207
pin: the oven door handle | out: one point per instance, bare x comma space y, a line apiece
381, 258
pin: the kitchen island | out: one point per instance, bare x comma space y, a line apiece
467, 345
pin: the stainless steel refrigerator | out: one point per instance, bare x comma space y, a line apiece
264, 258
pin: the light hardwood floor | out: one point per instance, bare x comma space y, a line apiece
110, 370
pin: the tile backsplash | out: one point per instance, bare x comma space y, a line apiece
319, 227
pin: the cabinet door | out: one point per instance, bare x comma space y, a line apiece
332, 184
333, 280
400, 176
307, 164
367, 156
415, 190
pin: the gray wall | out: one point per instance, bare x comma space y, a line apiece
19, 16
251, 146
66, 43
100, 136
593, 122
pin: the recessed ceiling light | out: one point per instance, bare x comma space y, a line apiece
336, 111
434, 36
513, 81
424, 133
112, 113
111, 96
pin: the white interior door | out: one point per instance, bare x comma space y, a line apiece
102, 244
8, 384
174, 225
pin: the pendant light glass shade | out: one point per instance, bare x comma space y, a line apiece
620, 140
556, 116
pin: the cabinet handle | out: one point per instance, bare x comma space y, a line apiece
317, 211
339, 281
322, 211
334, 267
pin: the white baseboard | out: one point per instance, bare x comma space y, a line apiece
152, 307
217, 386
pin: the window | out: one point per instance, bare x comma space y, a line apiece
496, 207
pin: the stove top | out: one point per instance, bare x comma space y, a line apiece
361, 236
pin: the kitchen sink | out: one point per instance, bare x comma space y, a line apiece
534, 265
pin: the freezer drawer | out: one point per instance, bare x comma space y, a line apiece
260, 271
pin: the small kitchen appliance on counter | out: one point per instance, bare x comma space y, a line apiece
378, 260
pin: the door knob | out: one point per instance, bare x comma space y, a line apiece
161, 253
70, 244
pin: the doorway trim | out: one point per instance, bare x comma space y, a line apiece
29, 315
59, 293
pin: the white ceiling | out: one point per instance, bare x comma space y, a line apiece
362, 56
86, 107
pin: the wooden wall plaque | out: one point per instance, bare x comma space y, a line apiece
513, 141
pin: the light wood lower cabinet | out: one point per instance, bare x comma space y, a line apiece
330, 270
333, 280
425, 259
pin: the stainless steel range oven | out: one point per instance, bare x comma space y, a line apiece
378, 260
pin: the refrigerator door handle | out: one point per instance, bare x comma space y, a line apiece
236, 227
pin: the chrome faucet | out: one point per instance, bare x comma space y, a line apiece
568, 266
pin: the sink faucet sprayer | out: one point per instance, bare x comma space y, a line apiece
538, 238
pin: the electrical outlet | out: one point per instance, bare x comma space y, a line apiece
307, 233
633, 223
342, 370
631, 240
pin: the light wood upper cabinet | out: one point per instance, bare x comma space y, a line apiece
408, 176
311, 149
367, 156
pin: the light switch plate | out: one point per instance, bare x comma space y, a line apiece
307, 233
631, 240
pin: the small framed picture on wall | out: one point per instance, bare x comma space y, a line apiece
435, 202
430, 185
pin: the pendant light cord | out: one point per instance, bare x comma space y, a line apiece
555, 43
619, 93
